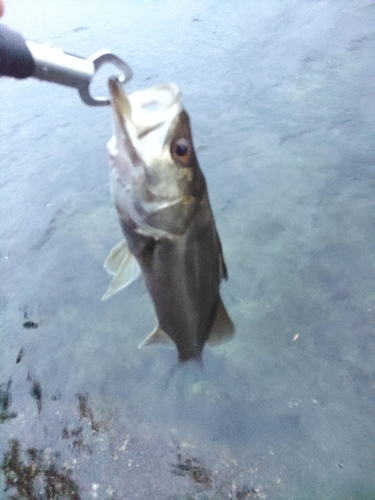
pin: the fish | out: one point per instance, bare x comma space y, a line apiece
161, 198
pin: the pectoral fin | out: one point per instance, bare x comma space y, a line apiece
222, 328
123, 266
157, 336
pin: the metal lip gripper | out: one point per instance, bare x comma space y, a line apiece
55, 65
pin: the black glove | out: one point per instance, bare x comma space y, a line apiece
15, 57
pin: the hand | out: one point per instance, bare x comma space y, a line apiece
1, 8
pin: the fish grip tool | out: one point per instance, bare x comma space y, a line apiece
55, 65
21, 59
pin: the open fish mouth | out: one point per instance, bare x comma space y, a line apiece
145, 110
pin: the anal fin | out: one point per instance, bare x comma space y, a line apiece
157, 336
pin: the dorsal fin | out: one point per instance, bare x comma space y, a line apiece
222, 328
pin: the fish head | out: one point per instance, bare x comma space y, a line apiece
154, 173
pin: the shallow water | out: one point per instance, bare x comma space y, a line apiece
280, 95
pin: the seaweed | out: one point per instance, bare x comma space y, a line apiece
192, 468
20, 355
36, 479
85, 411
36, 392
77, 437
5, 401
30, 324
249, 494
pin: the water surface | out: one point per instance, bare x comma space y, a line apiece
280, 95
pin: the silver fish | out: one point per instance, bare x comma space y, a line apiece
161, 198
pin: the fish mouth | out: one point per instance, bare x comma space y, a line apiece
119, 100
122, 153
145, 110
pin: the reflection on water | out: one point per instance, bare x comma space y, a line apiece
282, 118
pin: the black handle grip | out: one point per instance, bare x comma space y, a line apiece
15, 57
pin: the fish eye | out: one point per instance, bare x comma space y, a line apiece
181, 150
